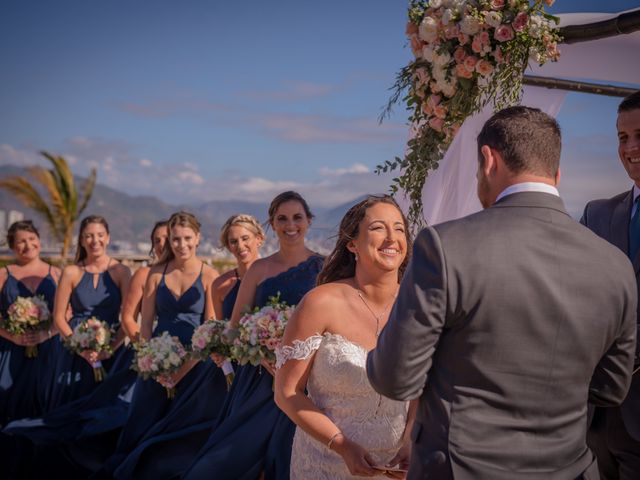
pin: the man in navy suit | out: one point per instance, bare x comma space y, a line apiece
614, 433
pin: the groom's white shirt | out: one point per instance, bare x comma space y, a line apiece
528, 187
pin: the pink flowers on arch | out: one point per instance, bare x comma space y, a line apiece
468, 53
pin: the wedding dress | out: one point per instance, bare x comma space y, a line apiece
338, 385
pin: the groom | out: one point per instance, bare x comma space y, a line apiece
507, 321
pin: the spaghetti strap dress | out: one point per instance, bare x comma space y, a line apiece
253, 435
22, 393
23, 380
154, 418
72, 375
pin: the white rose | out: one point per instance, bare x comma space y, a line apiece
442, 59
174, 359
435, 3
469, 25
428, 30
493, 19
439, 73
428, 53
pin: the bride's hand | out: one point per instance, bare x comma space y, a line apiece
400, 461
357, 459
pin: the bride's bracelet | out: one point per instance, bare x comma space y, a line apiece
330, 442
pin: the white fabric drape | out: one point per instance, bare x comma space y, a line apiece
450, 191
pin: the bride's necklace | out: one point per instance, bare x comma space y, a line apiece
376, 316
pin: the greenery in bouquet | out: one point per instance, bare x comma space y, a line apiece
467, 53
260, 332
160, 356
28, 314
94, 335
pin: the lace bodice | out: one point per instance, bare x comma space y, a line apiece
339, 386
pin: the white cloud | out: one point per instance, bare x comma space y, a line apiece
191, 177
356, 168
145, 162
263, 185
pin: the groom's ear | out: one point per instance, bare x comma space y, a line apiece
489, 163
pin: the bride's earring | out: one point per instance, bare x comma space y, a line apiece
355, 254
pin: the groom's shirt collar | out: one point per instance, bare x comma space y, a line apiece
529, 187
634, 205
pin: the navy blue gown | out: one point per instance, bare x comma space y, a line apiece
22, 379
253, 434
72, 375
154, 420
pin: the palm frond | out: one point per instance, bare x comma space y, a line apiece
24, 191
64, 179
87, 191
47, 179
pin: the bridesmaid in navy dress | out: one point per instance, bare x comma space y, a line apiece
178, 293
22, 378
168, 454
94, 286
254, 437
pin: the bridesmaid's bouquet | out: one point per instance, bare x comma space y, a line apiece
210, 338
28, 314
160, 356
260, 333
95, 335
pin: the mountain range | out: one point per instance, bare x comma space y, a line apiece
131, 217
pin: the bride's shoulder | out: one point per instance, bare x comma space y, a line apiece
325, 296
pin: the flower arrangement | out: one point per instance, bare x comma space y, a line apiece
467, 53
160, 356
260, 333
210, 338
28, 314
91, 335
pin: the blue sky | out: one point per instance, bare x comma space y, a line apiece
201, 100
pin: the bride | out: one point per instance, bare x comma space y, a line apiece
346, 429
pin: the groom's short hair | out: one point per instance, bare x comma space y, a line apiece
528, 139
630, 102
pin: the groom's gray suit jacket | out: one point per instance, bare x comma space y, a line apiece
506, 322
610, 219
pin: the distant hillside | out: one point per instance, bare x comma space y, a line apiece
131, 217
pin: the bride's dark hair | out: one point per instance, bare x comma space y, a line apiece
341, 262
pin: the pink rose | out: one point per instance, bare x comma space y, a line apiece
436, 124
434, 100
497, 4
504, 33
463, 38
459, 55
440, 111
497, 54
484, 38
484, 68
416, 45
462, 72
412, 29
520, 22
470, 63
426, 108
476, 45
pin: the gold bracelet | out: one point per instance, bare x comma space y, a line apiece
332, 439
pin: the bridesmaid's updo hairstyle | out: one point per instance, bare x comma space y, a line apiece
341, 262
20, 226
179, 219
241, 220
160, 224
284, 197
81, 252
